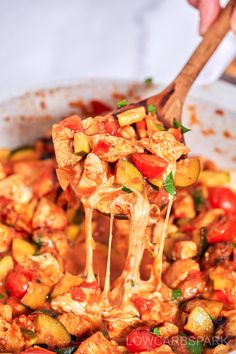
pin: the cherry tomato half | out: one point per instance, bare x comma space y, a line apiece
73, 123
142, 304
222, 197
101, 147
222, 230
141, 339
17, 281
223, 296
77, 294
112, 127
151, 166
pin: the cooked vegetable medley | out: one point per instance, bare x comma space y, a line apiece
73, 280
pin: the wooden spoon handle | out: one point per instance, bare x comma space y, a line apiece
206, 48
170, 101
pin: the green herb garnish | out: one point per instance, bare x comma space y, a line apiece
38, 243
1, 296
156, 331
169, 184
104, 332
160, 127
176, 293
198, 199
122, 103
132, 283
126, 189
234, 245
194, 346
151, 108
177, 124
148, 81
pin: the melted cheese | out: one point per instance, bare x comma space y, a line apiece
89, 243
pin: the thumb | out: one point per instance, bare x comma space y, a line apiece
233, 21
209, 11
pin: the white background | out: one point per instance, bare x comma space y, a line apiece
50, 41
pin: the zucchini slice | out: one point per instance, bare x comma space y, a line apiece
36, 295
128, 175
22, 250
131, 116
50, 331
25, 153
187, 172
81, 144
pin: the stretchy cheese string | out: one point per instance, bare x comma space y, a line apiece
89, 272
108, 267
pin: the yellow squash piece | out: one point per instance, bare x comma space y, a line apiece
72, 231
6, 265
81, 144
156, 182
187, 172
128, 175
131, 116
36, 295
199, 323
22, 250
220, 282
51, 331
214, 178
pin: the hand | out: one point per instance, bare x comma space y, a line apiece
209, 11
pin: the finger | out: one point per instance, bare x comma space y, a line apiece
233, 21
209, 11
194, 3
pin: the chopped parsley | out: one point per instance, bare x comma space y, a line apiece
38, 243
131, 282
156, 331
151, 108
180, 125
126, 189
198, 198
148, 81
122, 103
176, 293
160, 127
104, 332
234, 245
1, 296
194, 346
169, 184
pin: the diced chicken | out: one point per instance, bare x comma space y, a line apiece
179, 271
168, 329
65, 303
11, 339
161, 312
93, 175
53, 241
98, 344
77, 325
194, 284
49, 215
15, 188
206, 218
230, 326
47, 267
6, 236
119, 147
164, 144
184, 250
63, 145
219, 349
183, 207
6, 312
217, 254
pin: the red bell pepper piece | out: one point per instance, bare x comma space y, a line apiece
151, 166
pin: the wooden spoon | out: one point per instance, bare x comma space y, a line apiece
169, 102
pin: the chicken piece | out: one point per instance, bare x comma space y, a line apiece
52, 241
179, 271
11, 338
168, 329
207, 217
6, 237
119, 147
98, 344
184, 250
49, 215
183, 206
164, 144
16, 188
77, 325
47, 267
94, 174
161, 312
6, 312
219, 349
217, 254
63, 145
194, 284
230, 326
65, 303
